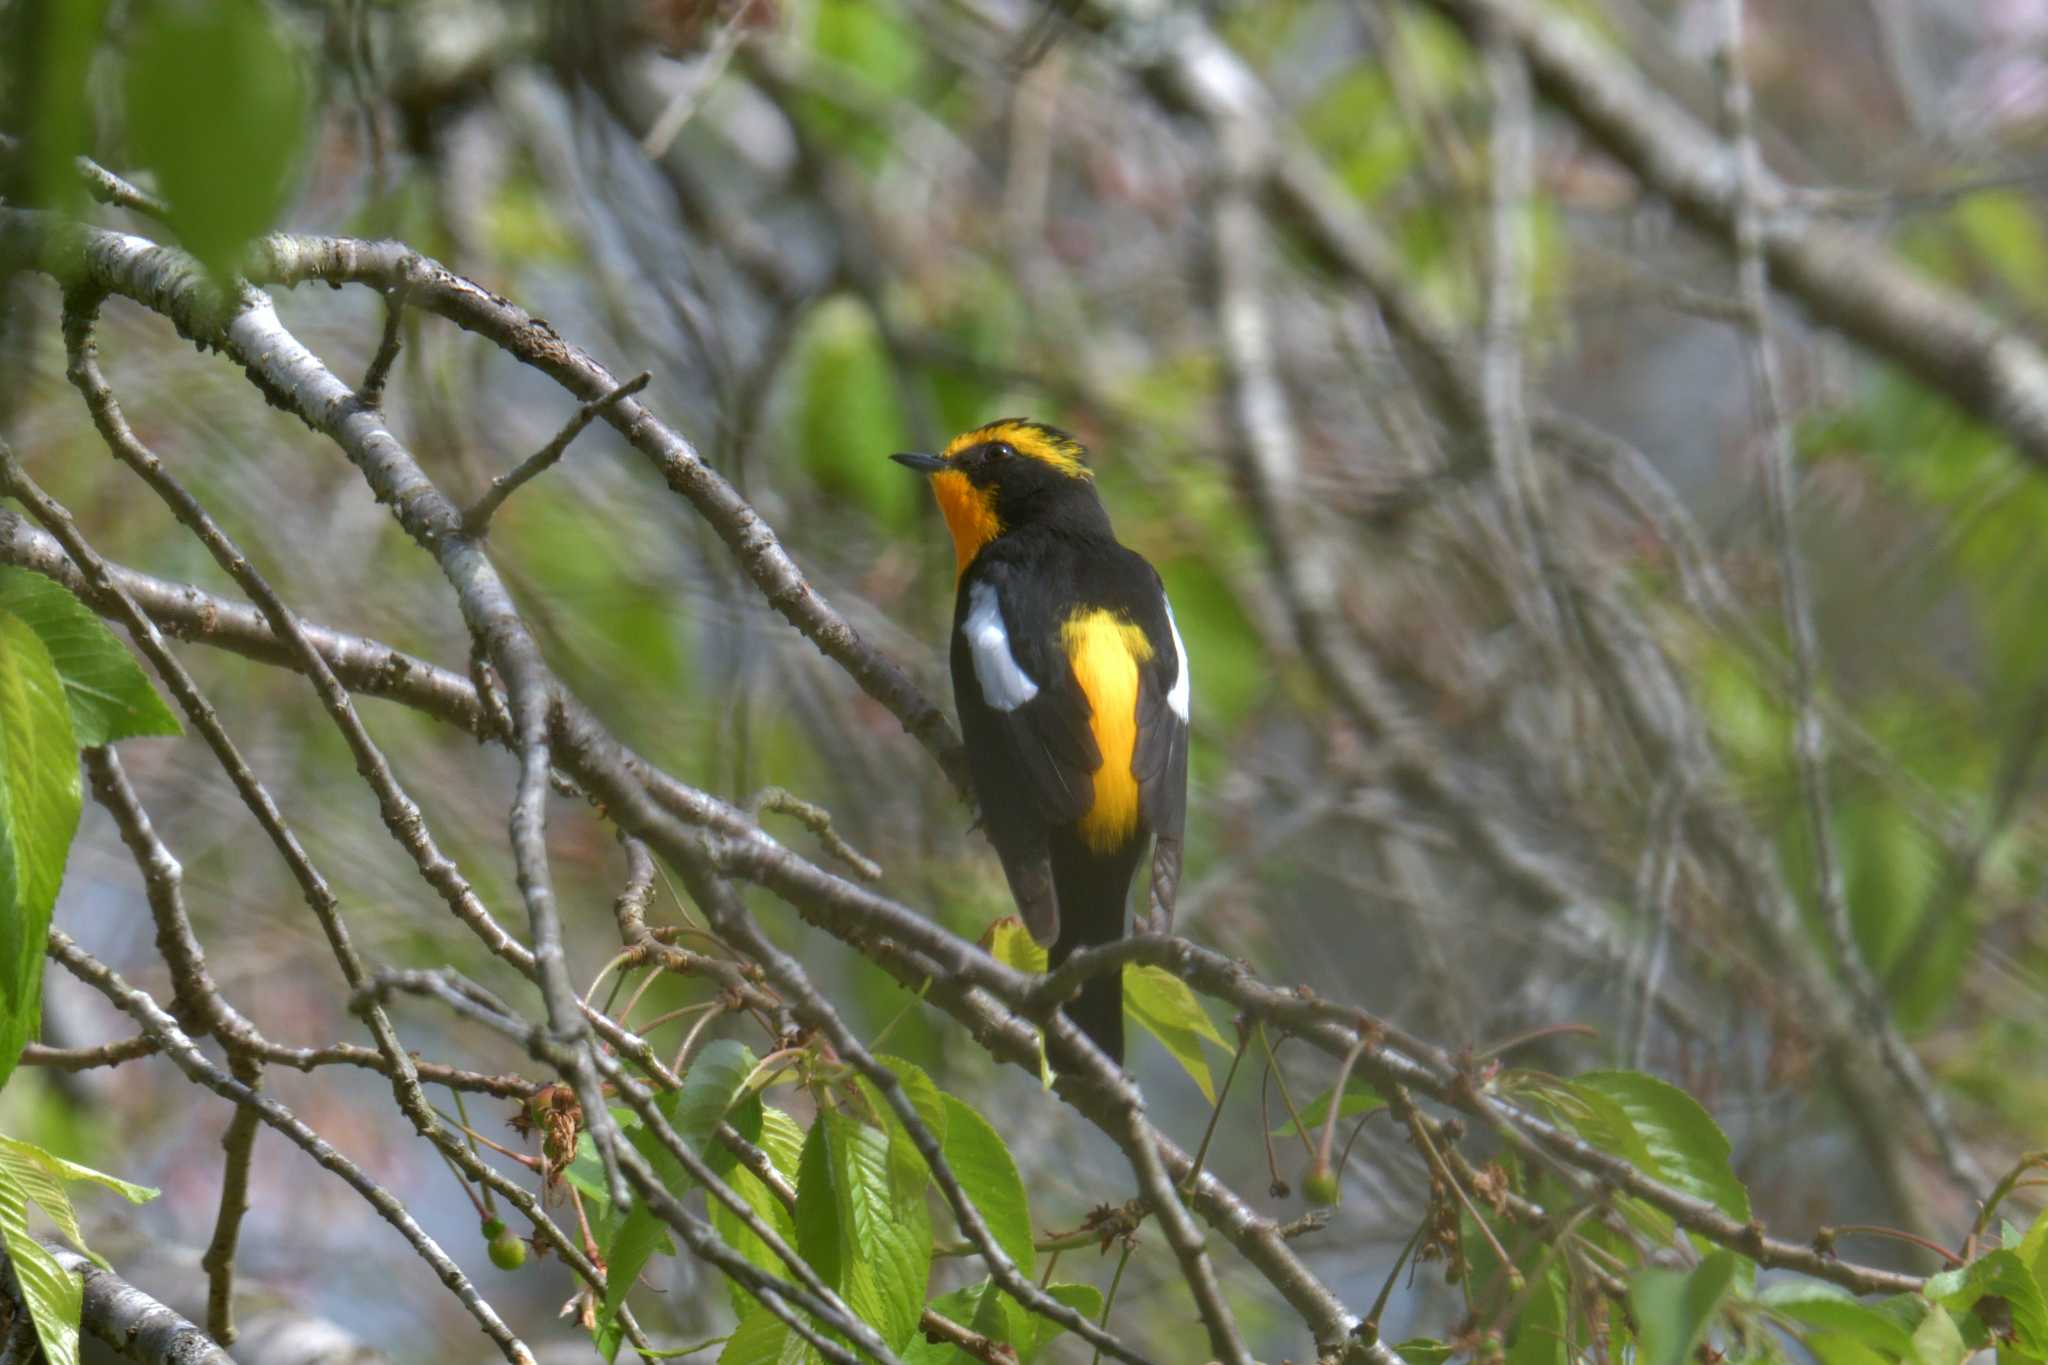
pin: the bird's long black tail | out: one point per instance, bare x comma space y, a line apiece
1092, 890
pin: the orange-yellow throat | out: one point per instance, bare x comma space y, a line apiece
1105, 651
970, 515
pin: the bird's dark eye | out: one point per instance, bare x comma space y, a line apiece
1000, 450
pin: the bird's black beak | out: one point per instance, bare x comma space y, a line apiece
923, 464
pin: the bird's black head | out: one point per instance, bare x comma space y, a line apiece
1010, 474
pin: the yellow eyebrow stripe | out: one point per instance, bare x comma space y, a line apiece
1030, 440
1104, 651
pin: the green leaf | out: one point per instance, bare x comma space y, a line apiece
111, 698
961, 1306
710, 1089
1684, 1144
1011, 944
1164, 1007
1831, 1348
39, 804
639, 1234
217, 107
2033, 1247
1672, 1308
764, 1339
752, 1121
889, 1258
987, 1173
907, 1165
1359, 1098
714, 1080
1422, 1351
55, 1298
71, 1172
872, 1248
1084, 1299
1833, 1310
1936, 1340
1999, 1274
1665, 1133
1539, 1333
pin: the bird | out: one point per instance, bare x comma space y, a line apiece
1071, 683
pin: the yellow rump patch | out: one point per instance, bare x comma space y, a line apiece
1105, 651
970, 514
1030, 440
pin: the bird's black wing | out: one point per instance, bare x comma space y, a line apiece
1159, 760
1025, 721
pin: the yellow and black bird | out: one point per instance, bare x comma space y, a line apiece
1072, 686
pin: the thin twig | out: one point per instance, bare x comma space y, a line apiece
371, 391
477, 520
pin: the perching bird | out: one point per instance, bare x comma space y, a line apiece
1072, 686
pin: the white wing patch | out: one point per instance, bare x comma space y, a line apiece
1004, 684
1177, 699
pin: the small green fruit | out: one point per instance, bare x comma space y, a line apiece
507, 1251
1319, 1186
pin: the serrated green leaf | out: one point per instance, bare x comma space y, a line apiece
41, 1176
2004, 1275
1831, 1309
889, 1255
1687, 1147
988, 1174
755, 1122
39, 805
217, 107
1164, 1007
908, 1169
714, 1080
639, 1234
1084, 1299
872, 1248
1936, 1340
782, 1138
1672, 1308
55, 1297
2033, 1248
1359, 1098
764, 1339
1011, 944
1665, 1133
111, 698
74, 1173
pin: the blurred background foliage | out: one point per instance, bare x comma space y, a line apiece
833, 229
